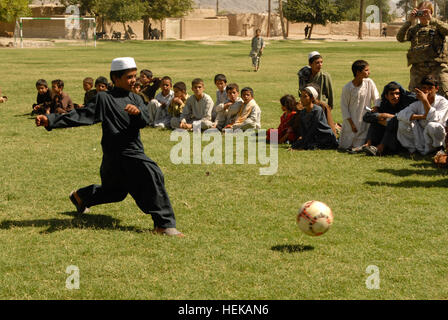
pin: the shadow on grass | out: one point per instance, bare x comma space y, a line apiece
83, 221
410, 172
292, 248
28, 114
411, 184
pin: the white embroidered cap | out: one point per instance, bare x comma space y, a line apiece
312, 91
313, 54
123, 64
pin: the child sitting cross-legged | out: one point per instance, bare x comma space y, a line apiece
249, 114
285, 132
177, 104
43, 100
315, 133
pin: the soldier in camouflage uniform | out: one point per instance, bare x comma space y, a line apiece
428, 52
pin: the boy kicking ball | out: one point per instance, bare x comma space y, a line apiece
125, 167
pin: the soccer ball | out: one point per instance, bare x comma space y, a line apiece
314, 218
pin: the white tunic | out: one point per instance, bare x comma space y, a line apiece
353, 103
423, 135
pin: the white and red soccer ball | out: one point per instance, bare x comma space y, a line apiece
314, 218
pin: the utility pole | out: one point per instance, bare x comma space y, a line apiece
269, 19
217, 7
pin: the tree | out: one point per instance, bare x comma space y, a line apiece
98, 8
351, 9
312, 11
161, 9
10, 10
124, 11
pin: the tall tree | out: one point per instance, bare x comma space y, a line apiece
124, 11
10, 10
350, 9
314, 12
161, 9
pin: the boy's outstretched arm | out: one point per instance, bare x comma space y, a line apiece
88, 115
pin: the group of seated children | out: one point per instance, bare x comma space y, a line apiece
400, 120
55, 100
173, 108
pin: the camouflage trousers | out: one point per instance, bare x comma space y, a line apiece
438, 70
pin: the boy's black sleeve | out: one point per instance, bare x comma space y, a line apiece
88, 115
141, 120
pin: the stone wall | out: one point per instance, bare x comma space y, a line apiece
246, 24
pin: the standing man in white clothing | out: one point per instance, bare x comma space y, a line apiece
421, 126
358, 94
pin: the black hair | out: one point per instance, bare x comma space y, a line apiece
359, 66
180, 86
232, 86
88, 80
391, 86
101, 80
197, 81
429, 81
118, 74
41, 82
167, 78
58, 82
248, 89
147, 73
220, 77
289, 102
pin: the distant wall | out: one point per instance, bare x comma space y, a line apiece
246, 24
215, 26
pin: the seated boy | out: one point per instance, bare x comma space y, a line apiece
137, 87
150, 85
101, 84
158, 107
421, 126
177, 104
221, 93
61, 103
314, 131
87, 84
249, 114
198, 107
382, 134
43, 97
226, 112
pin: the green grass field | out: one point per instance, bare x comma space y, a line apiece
242, 240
